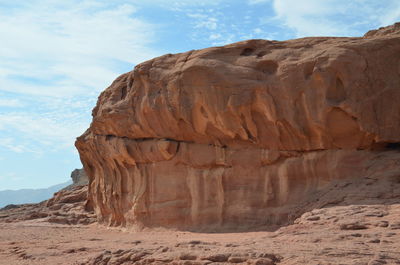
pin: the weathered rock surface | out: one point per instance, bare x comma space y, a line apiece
246, 135
79, 177
67, 206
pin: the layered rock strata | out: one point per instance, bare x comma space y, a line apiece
67, 206
245, 134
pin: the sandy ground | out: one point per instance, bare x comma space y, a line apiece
357, 234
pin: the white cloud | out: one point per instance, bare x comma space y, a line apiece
215, 36
334, 17
212, 26
178, 5
69, 48
210, 23
32, 132
308, 17
255, 2
10, 144
202, 20
55, 58
10, 103
392, 16
45, 124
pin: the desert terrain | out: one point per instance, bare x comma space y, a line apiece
357, 234
257, 152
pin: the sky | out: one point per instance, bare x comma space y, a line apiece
57, 56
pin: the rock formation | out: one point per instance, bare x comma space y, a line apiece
245, 135
79, 177
67, 206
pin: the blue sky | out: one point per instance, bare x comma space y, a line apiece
57, 56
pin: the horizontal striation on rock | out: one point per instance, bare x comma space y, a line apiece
240, 134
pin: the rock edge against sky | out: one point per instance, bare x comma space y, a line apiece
247, 134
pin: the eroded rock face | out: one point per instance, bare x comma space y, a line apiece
79, 177
244, 134
67, 206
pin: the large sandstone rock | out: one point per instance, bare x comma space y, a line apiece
243, 135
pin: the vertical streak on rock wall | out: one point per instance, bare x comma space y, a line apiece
242, 135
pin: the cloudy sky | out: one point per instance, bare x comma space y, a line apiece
57, 56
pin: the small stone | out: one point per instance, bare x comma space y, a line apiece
218, 257
165, 249
187, 256
264, 261
382, 224
137, 256
395, 225
273, 257
313, 218
195, 242
236, 259
353, 226
376, 262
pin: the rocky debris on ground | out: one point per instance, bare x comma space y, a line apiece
296, 141
354, 234
135, 256
67, 206
363, 234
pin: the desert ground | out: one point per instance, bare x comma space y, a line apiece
358, 234
258, 152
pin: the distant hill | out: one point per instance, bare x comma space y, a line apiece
29, 195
